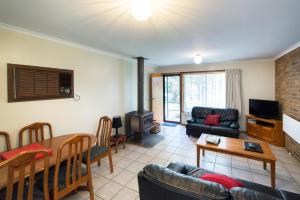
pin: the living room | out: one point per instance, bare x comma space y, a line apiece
141, 84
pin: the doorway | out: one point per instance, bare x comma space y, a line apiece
172, 98
157, 99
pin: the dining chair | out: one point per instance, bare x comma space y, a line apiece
25, 188
102, 148
7, 140
35, 131
70, 175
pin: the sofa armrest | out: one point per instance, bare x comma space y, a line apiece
234, 125
191, 120
289, 195
177, 167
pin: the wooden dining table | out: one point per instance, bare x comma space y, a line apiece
54, 144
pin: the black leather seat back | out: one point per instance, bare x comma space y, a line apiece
201, 112
202, 188
227, 114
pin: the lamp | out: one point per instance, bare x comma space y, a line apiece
140, 9
117, 123
198, 58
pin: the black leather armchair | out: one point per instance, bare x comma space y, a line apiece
229, 125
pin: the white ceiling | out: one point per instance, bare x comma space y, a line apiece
222, 30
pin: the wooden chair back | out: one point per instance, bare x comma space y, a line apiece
104, 132
75, 152
7, 140
20, 164
35, 131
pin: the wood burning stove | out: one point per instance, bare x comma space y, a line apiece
138, 123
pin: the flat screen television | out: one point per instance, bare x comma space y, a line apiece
264, 108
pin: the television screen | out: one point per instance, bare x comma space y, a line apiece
264, 108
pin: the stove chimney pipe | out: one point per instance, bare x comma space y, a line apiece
140, 74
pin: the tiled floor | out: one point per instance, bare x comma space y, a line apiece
176, 146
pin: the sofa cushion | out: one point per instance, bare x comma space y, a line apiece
199, 121
225, 123
248, 194
227, 114
289, 195
261, 188
201, 112
205, 189
198, 172
234, 125
226, 181
212, 120
199, 127
224, 131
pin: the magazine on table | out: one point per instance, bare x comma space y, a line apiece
213, 139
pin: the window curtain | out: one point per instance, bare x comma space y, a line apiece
204, 89
233, 89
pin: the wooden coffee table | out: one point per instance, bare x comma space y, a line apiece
235, 147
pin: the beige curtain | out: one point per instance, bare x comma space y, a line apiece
233, 89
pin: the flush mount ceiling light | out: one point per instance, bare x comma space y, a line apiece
198, 58
140, 9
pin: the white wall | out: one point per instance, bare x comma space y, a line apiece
107, 85
258, 79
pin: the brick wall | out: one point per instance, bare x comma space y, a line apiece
287, 72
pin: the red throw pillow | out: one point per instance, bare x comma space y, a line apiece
223, 180
212, 120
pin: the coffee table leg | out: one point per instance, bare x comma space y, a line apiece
273, 174
265, 165
198, 156
203, 152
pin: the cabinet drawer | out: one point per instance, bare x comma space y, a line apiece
252, 129
267, 133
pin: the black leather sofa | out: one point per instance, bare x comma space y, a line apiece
229, 125
179, 181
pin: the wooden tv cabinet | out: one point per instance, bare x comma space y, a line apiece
268, 130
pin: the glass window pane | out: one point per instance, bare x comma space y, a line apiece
204, 89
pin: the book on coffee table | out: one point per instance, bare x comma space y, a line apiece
251, 146
213, 139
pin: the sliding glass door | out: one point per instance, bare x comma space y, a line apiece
172, 98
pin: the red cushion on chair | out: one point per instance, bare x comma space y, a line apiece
30, 147
212, 120
223, 180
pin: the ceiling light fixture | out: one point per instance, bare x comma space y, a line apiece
198, 58
140, 9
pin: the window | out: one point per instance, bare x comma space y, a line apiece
204, 89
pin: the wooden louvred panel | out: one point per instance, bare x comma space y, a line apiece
52, 84
25, 83
40, 84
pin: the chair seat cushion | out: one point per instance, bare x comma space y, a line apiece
95, 152
38, 194
61, 176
